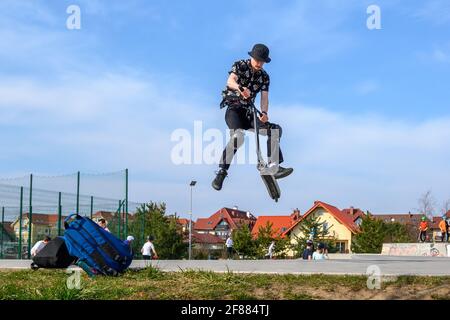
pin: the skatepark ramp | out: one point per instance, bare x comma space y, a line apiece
416, 249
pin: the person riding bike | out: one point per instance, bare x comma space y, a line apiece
246, 79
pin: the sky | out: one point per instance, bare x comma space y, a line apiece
365, 113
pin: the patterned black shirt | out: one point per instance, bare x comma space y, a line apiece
255, 81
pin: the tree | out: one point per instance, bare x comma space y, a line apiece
371, 236
374, 232
396, 232
243, 241
150, 219
313, 229
264, 239
445, 206
427, 205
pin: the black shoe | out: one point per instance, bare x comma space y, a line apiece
283, 172
218, 181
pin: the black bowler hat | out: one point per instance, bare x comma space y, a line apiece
260, 52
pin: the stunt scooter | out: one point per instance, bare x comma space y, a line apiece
267, 176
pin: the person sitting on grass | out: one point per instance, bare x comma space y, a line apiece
308, 252
320, 253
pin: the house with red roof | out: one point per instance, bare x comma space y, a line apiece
7, 232
342, 224
412, 221
41, 225
278, 224
208, 242
224, 221
184, 224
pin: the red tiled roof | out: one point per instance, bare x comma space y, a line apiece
354, 212
107, 215
343, 218
206, 238
340, 216
44, 219
183, 221
234, 217
404, 218
7, 226
279, 224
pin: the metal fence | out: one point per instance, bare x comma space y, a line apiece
46, 201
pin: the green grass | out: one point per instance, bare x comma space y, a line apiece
151, 283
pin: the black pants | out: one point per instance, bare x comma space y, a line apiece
239, 119
423, 236
229, 252
147, 257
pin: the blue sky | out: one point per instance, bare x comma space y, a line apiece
366, 114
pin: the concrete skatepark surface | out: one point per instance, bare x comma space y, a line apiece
349, 265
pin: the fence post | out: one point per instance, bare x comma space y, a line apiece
78, 192
30, 220
92, 207
3, 231
20, 224
126, 202
59, 213
143, 224
119, 218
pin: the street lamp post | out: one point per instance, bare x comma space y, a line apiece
192, 184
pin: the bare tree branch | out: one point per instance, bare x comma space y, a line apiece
446, 206
427, 204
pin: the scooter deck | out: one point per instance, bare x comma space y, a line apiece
272, 186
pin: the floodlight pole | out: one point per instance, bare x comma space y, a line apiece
192, 184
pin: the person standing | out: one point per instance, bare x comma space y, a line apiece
148, 249
229, 244
423, 228
443, 226
129, 243
271, 250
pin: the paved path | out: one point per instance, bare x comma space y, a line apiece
356, 265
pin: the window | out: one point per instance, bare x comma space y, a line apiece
325, 226
340, 246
